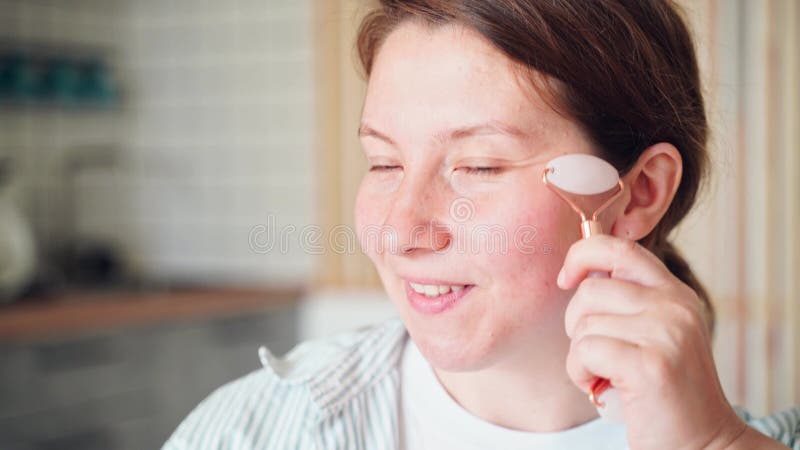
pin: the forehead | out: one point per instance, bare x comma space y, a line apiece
425, 79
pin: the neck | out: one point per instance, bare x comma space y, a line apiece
526, 392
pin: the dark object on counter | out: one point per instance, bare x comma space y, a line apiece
96, 263
91, 263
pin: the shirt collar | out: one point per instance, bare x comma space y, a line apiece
338, 368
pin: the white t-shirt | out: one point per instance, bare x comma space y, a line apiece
432, 420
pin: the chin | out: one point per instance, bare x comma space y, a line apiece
452, 342
454, 355
471, 336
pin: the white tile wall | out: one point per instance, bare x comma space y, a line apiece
214, 132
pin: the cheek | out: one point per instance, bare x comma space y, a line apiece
557, 228
368, 212
361, 210
539, 234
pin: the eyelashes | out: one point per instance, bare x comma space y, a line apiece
383, 168
478, 171
483, 171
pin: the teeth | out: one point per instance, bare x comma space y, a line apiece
433, 290
417, 288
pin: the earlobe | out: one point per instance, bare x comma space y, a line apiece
651, 184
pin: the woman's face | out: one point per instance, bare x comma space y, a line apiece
454, 197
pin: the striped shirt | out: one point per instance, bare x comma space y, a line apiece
340, 392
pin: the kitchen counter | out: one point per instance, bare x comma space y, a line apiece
79, 312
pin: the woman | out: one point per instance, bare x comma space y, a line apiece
466, 102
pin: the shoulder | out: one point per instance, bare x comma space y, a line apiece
310, 358
783, 426
278, 405
237, 414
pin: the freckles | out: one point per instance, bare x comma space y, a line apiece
362, 217
534, 207
545, 213
368, 208
553, 224
367, 215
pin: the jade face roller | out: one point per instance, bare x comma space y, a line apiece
575, 177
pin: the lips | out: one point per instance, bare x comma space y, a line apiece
429, 301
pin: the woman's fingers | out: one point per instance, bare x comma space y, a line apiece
604, 296
595, 356
639, 331
624, 259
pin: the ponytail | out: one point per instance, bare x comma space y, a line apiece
675, 262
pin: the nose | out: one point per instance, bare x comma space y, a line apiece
414, 221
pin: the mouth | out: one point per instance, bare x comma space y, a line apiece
434, 297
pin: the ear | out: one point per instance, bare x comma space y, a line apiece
650, 187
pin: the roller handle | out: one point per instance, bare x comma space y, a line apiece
603, 395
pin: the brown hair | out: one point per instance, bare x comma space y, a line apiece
626, 71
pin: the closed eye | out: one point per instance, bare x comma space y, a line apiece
383, 168
483, 170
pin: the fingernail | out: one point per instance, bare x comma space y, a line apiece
561, 276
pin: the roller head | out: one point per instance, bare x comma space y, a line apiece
582, 174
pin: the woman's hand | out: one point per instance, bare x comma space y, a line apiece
643, 329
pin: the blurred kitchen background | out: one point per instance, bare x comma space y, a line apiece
168, 166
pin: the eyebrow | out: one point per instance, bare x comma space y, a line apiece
481, 129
